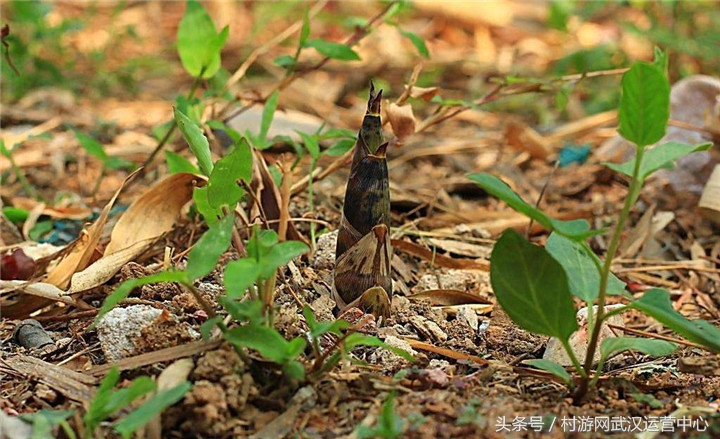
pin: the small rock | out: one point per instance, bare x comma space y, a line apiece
324, 257
120, 325
390, 361
462, 280
579, 340
468, 315
428, 328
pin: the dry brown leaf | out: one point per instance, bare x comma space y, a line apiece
439, 260
83, 247
462, 248
154, 213
59, 212
148, 218
524, 138
444, 297
424, 93
401, 120
38, 289
172, 376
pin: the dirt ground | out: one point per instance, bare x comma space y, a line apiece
468, 379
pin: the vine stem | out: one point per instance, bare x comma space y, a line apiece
633, 192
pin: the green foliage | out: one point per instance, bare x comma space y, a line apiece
210, 214
198, 42
196, 140
333, 50
656, 303
470, 414
416, 41
655, 348
239, 276
532, 287
575, 229
211, 245
389, 424
272, 346
15, 214
644, 104
177, 163
223, 189
44, 422
96, 149
129, 285
581, 267
552, 367
108, 401
662, 156
151, 408
270, 255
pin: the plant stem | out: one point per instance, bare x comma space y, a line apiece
311, 204
574, 359
633, 192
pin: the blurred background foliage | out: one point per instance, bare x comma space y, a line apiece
99, 49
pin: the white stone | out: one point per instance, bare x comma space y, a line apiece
120, 326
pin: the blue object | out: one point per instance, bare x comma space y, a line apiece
570, 154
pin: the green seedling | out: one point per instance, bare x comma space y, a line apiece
535, 285
389, 424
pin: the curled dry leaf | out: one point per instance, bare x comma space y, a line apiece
524, 138
424, 93
148, 218
20, 306
401, 120
83, 248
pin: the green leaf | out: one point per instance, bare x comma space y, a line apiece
196, 140
92, 146
268, 342
577, 230
655, 348
223, 189
311, 144
644, 104
294, 370
317, 329
239, 276
150, 408
295, 347
268, 114
305, 31
15, 214
204, 256
107, 402
129, 285
44, 421
340, 147
662, 156
208, 325
532, 287
656, 303
279, 255
581, 268
210, 214
333, 50
661, 60
116, 163
357, 339
552, 367
198, 42
247, 311
416, 41
285, 61
177, 163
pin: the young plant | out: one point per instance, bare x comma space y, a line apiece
389, 424
362, 255
108, 402
535, 285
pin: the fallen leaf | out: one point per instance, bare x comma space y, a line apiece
439, 260
148, 218
401, 120
444, 297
